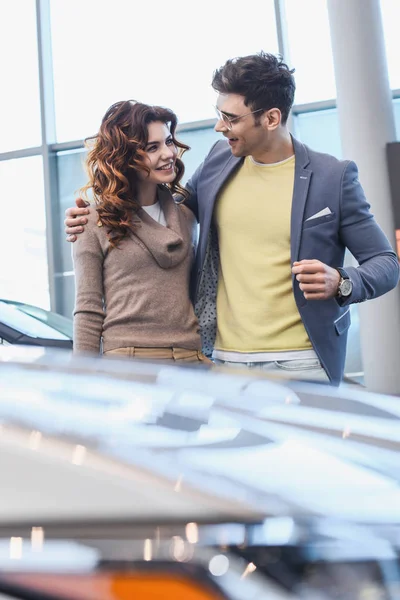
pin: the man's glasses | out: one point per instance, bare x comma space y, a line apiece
229, 120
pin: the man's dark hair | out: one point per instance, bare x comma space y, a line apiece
263, 79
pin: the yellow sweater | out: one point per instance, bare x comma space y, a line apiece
256, 310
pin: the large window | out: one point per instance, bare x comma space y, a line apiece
311, 55
19, 101
159, 53
310, 50
391, 21
105, 51
23, 274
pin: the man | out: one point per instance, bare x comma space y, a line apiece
275, 221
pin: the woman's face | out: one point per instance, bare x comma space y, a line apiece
161, 154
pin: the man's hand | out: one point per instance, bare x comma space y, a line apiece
317, 280
74, 219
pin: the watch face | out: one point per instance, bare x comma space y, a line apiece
346, 287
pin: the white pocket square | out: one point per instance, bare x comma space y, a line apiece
321, 213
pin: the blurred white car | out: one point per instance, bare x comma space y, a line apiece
124, 479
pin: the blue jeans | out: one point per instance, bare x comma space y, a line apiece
303, 368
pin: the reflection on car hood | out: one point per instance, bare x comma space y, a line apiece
235, 444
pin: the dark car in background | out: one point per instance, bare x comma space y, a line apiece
125, 479
30, 325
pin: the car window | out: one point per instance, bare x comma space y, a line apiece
55, 321
12, 317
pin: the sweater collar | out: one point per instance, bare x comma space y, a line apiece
168, 245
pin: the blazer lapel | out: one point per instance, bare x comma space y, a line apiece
223, 175
302, 178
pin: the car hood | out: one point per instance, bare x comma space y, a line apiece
243, 447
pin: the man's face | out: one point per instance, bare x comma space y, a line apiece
245, 136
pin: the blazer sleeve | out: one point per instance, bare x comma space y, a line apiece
192, 225
191, 186
378, 270
88, 258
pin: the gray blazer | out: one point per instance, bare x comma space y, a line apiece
320, 181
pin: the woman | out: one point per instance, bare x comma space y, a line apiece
132, 264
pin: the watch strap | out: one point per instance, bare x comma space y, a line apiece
343, 273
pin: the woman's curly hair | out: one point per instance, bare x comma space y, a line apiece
115, 154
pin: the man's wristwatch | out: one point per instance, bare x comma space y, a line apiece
345, 286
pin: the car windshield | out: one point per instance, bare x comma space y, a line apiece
46, 324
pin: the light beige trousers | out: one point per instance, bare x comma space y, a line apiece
164, 354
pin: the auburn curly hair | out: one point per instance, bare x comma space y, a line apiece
115, 154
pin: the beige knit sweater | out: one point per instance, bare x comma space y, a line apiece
138, 293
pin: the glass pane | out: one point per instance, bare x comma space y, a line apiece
320, 130
391, 20
163, 55
310, 55
200, 142
71, 177
23, 274
19, 102
396, 109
